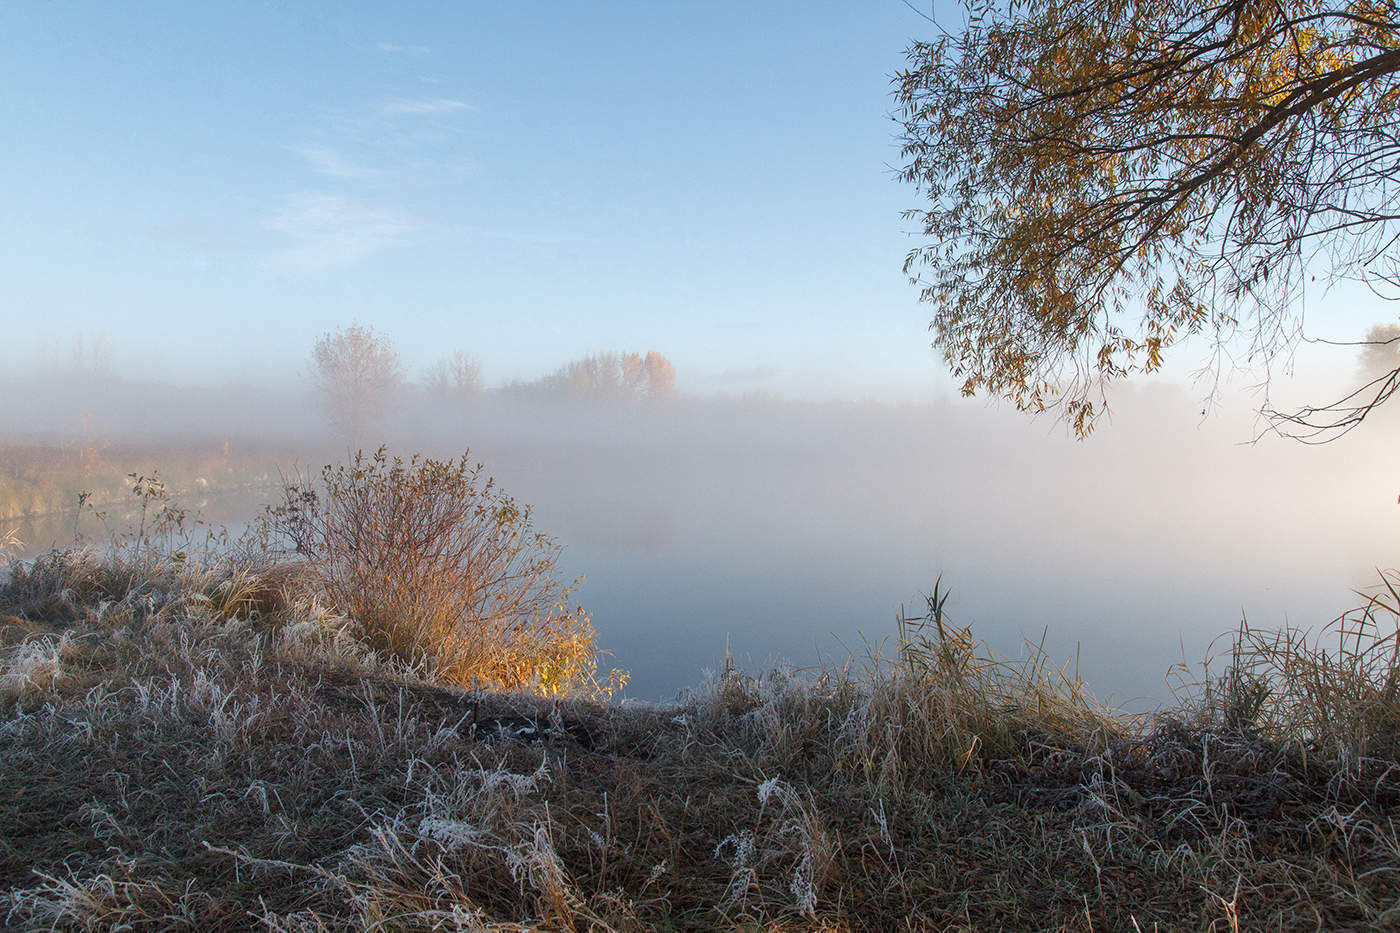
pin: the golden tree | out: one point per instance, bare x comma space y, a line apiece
608, 377
1102, 178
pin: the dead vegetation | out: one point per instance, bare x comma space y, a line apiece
211, 742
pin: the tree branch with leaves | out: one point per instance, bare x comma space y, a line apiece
1102, 178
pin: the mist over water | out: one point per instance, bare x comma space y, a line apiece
774, 528
792, 530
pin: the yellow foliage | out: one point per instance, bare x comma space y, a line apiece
1101, 169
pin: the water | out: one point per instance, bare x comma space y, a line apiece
797, 535
796, 532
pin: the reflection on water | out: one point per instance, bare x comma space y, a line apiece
205, 517
797, 531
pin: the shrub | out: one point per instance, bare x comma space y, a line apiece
441, 569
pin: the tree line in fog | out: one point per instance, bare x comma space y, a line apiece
358, 375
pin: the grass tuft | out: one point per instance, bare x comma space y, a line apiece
1333, 692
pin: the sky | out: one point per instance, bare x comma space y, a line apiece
204, 189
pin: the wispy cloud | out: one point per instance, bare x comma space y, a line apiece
399, 48
201, 236
329, 161
422, 105
401, 138
328, 230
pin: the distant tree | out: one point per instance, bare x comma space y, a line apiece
660, 375
599, 376
357, 372
1104, 177
456, 378
1378, 371
607, 377
90, 360
1380, 352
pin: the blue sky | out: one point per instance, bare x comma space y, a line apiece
209, 187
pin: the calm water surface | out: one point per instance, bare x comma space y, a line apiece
797, 531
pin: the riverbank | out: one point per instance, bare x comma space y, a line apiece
214, 747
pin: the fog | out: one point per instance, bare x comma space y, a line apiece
795, 530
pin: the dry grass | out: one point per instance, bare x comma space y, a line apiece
221, 739
1335, 691
211, 746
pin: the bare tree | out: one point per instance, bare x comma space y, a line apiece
457, 378
1105, 177
357, 372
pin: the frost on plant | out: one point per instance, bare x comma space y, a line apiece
768, 788
33, 666
451, 834
742, 848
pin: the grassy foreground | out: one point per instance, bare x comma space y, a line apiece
210, 745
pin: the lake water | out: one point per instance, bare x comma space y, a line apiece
795, 532
788, 534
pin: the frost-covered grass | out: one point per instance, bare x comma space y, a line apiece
212, 746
